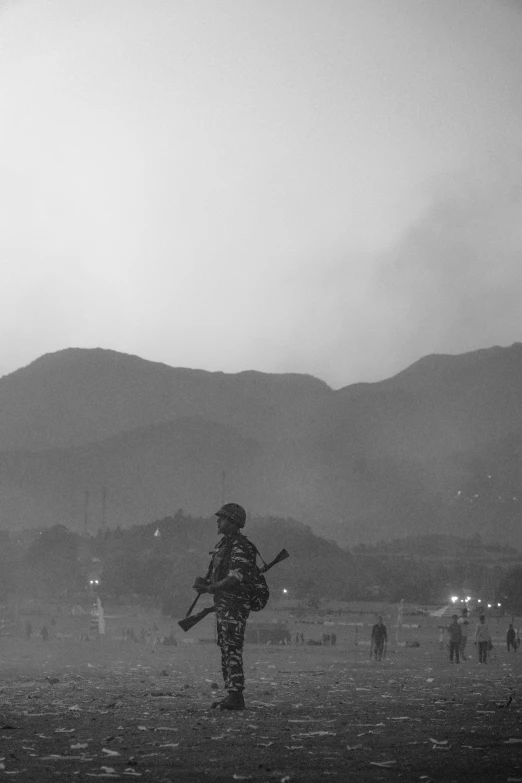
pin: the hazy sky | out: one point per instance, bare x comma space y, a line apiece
322, 186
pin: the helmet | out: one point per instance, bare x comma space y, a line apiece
234, 513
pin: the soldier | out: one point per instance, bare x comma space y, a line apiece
231, 568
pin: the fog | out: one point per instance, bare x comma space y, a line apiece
270, 186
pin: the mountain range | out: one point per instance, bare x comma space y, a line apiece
92, 435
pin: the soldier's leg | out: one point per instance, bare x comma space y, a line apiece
233, 638
222, 648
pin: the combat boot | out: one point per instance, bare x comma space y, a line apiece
234, 701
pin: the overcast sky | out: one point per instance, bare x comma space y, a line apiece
322, 186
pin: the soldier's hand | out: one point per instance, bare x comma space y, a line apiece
200, 585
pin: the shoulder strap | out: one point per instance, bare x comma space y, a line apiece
256, 550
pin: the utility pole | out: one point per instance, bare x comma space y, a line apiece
104, 510
86, 513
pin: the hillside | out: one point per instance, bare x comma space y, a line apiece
79, 396
404, 456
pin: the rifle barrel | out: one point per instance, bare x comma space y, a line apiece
193, 604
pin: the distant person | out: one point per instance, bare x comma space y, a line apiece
28, 629
441, 637
464, 627
482, 639
379, 639
455, 638
334, 639
44, 633
231, 568
511, 638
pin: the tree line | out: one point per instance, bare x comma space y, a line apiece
158, 561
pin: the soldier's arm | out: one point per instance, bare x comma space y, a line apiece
242, 561
228, 581
240, 568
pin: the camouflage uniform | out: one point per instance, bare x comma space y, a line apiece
234, 556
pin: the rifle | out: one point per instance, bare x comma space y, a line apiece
190, 620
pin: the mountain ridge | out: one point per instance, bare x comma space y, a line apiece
361, 463
77, 395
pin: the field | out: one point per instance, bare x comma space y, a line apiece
73, 709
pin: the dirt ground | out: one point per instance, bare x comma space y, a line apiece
116, 709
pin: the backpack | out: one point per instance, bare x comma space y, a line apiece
259, 590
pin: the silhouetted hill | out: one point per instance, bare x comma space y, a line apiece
79, 396
439, 405
400, 457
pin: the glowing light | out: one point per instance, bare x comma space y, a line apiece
479, 600
499, 604
454, 598
468, 598
489, 606
285, 590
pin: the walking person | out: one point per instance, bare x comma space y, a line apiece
482, 639
231, 569
511, 638
464, 627
379, 638
455, 638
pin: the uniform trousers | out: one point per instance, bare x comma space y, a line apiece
231, 623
